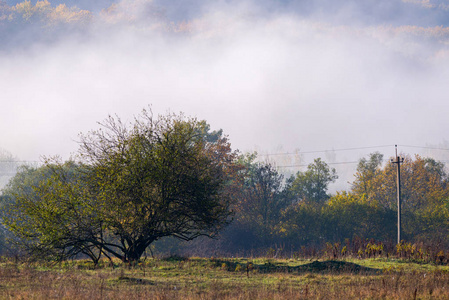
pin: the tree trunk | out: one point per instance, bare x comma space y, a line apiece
136, 251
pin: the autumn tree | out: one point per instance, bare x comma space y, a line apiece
159, 177
423, 181
424, 193
367, 169
348, 215
262, 198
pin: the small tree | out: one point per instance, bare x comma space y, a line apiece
312, 184
133, 185
367, 169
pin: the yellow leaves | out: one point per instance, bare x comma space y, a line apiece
423, 183
42, 5
63, 14
131, 12
344, 198
26, 9
49, 16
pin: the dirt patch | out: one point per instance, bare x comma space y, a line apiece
135, 280
333, 266
330, 266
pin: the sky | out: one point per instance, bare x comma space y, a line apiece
276, 75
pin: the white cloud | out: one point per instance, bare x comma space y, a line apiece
266, 79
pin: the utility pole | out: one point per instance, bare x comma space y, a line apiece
398, 161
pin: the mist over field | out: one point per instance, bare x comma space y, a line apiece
276, 76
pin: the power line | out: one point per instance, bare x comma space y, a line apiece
328, 150
334, 163
424, 147
288, 153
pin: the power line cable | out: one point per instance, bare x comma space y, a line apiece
342, 163
334, 163
328, 150
290, 153
424, 147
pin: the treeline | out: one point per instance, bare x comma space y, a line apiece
168, 184
298, 215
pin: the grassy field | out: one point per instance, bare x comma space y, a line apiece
223, 278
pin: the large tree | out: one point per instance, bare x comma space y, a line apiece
164, 176
261, 201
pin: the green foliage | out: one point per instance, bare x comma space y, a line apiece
312, 184
348, 215
368, 211
172, 176
423, 180
262, 199
424, 194
132, 186
302, 224
51, 212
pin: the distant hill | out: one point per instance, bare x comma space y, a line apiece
94, 6
369, 12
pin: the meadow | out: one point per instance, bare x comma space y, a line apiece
225, 278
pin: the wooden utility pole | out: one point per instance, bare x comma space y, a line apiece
398, 161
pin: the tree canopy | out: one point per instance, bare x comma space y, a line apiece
261, 200
312, 184
131, 185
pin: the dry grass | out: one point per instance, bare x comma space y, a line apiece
197, 278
